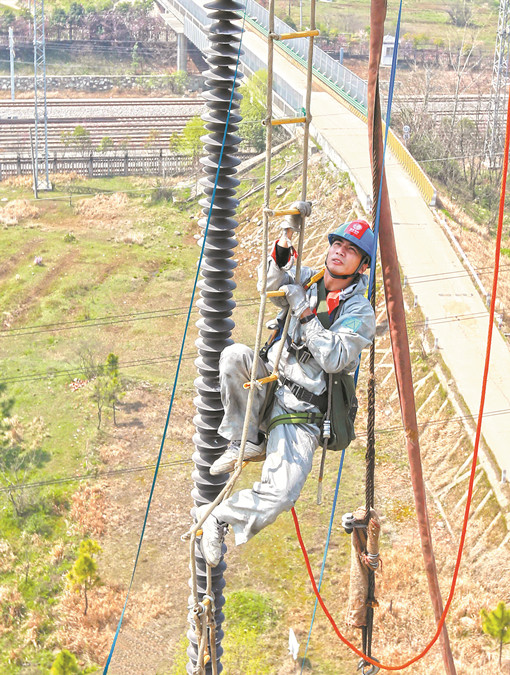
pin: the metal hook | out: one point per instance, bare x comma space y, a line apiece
349, 522
372, 668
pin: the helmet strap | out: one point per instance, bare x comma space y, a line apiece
347, 276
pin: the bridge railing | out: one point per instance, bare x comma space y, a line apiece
288, 98
351, 88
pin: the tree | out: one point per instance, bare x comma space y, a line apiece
179, 81
83, 575
114, 385
59, 19
253, 111
80, 137
497, 625
20, 452
107, 389
136, 58
106, 144
152, 139
460, 12
75, 17
65, 664
8, 17
190, 141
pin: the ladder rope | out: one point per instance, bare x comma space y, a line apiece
266, 211
462, 540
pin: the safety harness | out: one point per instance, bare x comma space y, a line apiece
337, 406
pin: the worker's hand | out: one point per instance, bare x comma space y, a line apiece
296, 297
294, 222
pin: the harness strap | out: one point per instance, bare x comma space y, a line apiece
295, 418
303, 394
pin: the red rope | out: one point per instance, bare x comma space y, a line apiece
475, 450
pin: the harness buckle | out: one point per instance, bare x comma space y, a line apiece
300, 352
295, 389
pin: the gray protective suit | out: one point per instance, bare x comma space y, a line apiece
290, 447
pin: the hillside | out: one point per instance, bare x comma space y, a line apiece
115, 277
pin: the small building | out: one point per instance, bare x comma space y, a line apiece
387, 50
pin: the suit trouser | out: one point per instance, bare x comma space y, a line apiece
289, 451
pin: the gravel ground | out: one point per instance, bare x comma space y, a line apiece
100, 107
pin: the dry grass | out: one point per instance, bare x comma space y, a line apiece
26, 181
102, 207
88, 508
91, 636
17, 210
6, 556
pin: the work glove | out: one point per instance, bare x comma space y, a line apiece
296, 297
294, 222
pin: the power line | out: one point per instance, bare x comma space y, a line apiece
91, 476
112, 473
104, 320
440, 276
108, 320
33, 377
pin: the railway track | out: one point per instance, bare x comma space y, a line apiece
438, 106
131, 123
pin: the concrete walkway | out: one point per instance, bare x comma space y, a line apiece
457, 315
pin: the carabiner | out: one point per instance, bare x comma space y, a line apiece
372, 668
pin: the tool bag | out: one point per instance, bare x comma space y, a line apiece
343, 409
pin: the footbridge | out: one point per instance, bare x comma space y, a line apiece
453, 302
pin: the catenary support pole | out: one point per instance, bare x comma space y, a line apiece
215, 305
397, 323
11, 59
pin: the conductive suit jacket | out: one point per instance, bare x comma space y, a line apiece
333, 350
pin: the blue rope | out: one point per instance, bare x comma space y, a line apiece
333, 509
370, 285
105, 671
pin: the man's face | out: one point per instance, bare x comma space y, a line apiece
344, 257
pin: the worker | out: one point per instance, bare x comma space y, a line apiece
310, 353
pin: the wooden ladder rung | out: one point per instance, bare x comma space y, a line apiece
294, 36
288, 120
282, 212
264, 380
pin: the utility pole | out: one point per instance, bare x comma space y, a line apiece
40, 106
11, 57
497, 105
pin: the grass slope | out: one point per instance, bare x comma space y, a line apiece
116, 256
